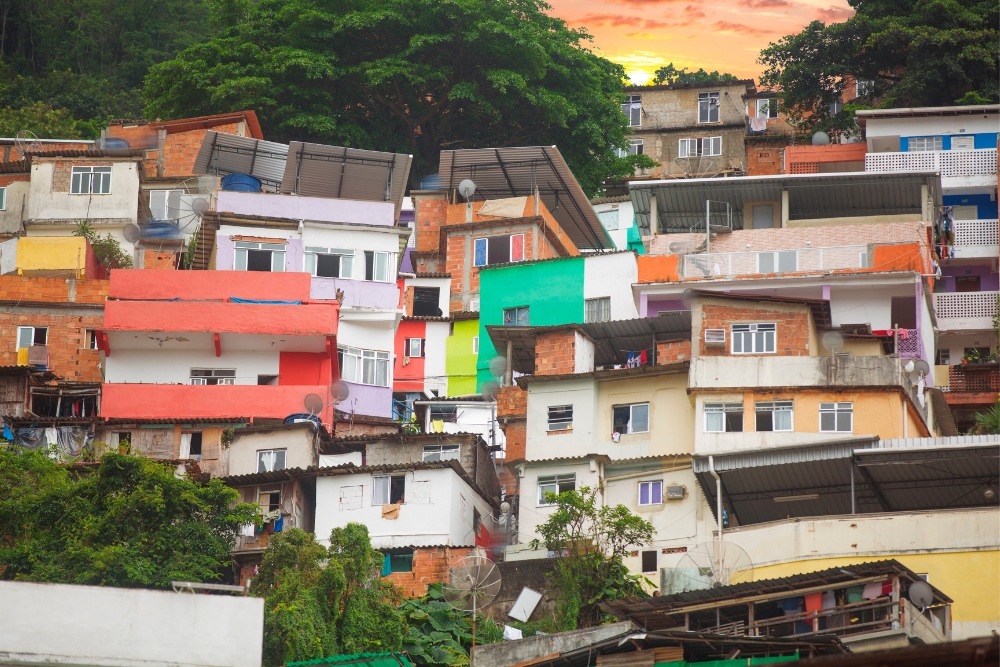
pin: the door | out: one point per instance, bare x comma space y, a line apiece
967, 284
763, 217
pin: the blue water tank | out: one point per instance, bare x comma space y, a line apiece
241, 183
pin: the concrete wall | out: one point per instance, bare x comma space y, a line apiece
612, 276
438, 510
626, 218
582, 394
174, 366
930, 126
508, 653
103, 625
15, 205
306, 208
300, 451
50, 198
461, 358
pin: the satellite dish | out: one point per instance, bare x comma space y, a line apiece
687, 298
821, 139
25, 140
833, 341
313, 404
473, 583
498, 367
922, 367
199, 205
491, 390
206, 184
467, 188
340, 391
921, 594
710, 565
132, 233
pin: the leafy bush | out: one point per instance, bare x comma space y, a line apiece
106, 248
438, 634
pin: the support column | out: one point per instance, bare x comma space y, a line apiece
784, 208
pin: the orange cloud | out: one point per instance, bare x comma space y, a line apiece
740, 28
835, 14
642, 3
765, 4
618, 20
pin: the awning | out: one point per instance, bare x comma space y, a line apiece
923, 474
680, 203
516, 172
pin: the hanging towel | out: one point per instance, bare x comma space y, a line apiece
814, 601
437, 425
248, 530
758, 124
887, 587
386, 566
279, 523
51, 436
872, 590
854, 594
791, 606
829, 600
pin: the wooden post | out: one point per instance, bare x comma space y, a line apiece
895, 601
687, 622
751, 624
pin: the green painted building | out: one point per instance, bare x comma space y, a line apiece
460, 357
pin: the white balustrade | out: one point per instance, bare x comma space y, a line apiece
807, 260
965, 305
982, 161
976, 232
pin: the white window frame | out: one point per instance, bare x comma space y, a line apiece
83, 181
365, 364
552, 483
156, 207
632, 112
602, 309
768, 105
562, 423
631, 408
3, 198
410, 343
475, 345
517, 310
776, 257
751, 328
33, 329
380, 259
510, 250
705, 104
90, 339
691, 147
216, 374
635, 147
441, 453
775, 407
924, 144
241, 256
650, 484
722, 409
311, 263
836, 409
284, 459
863, 87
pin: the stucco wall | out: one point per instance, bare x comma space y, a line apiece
612, 276
15, 202
460, 361
174, 366
583, 396
297, 443
306, 208
50, 198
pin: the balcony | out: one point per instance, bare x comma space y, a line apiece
974, 378
965, 311
181, 402
979, 162
975, 239
817, 260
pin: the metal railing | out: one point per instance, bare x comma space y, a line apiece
849, 619
978, 162
775, 261
965, 305
976, 232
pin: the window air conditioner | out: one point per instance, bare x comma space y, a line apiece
675, 493
715, 337
38, 355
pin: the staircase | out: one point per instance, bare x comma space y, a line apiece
204, 245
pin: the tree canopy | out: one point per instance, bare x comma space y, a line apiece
130, 522
914, 53
415, 76
668, 74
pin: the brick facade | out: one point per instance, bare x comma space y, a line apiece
555, 353
512, 410
792, 331
52, 290
159, 259
673, 352
430, 566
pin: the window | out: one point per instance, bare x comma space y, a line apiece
633, 110
269, 501
767, 108
635, 147
3, 199
915, 144
388, 489
631, 418
28, 336
648, 561
401, 562
475, 345
597, 310
413, 347
753, 338
498, 250
723, 417
609, 219
774, 416
444, 413
364, 366
863, 259
269, 460
477, 521
651, 493
836, 417
516, 317
943, 357
259, 257
90, 339
125, 438
782, 261
699, 147
213, 376
91, 181
377, 266
864, 88
195, 444
329, 262
835, 107
560, 417
440, 453
708, 107
555, 484
165, 204
426, 301
963, 144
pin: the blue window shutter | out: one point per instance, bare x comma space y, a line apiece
480, 254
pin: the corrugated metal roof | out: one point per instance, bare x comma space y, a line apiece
16, 167
317, 170
222, 154
953, 441
680, 203
515, 172
942, 412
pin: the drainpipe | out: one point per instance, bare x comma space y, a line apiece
718, 513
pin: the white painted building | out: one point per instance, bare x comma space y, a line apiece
616, 214
463, 415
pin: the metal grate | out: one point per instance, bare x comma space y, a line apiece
775, 261
980, 378
908, 347
804, 167
976, 232
966, 304
949, 163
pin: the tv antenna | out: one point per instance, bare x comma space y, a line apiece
473, 583
26, 140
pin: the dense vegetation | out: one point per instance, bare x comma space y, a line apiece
670, 75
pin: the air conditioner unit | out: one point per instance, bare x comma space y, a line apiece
675, 492
715, 337
38, 355
474, 305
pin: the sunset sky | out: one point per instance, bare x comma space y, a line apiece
642, 35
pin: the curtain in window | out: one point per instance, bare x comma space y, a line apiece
267, 460
380, 494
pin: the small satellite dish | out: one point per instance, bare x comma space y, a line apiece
821, 139
467, 188
687, 298
498, 367
199, 205
206, 184
473, 583
921, 594
132, 233
710, 565
922, 367
833, 341
313, 404
340, 391
491, 390
26, 140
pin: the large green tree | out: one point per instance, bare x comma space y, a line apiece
131, 522
417, 76
914, 52
670, 75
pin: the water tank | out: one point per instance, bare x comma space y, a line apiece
241, 183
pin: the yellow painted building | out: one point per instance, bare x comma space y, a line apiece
56, 256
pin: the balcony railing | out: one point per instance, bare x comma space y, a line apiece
979, 162
975, 378
976, 232
965, 305
775, 261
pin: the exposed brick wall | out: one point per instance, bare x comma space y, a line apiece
792, 338
154, 259
52, 290
67, 337
516, 436
512, 402
764, 160
430, 566
430, 214
555, 353
182, 148
812, 156
672, 352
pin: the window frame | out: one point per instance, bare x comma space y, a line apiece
651, 483
628, 110
76, 184
642, 560
90, 339
631, 417
241, 251
485, 241
388, 497
936, 143
517, 310
713, 143
776, 260
770, 105
192, 377
429, 453
345, 269
475, 345
562, 423
284, 459
753, 327
602, 307
557, 481
837, 410
166, 203
3, 197
381, 359
421, 347
863, 87
707, 98
775, 407
34, 333
372, 262
723, 409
